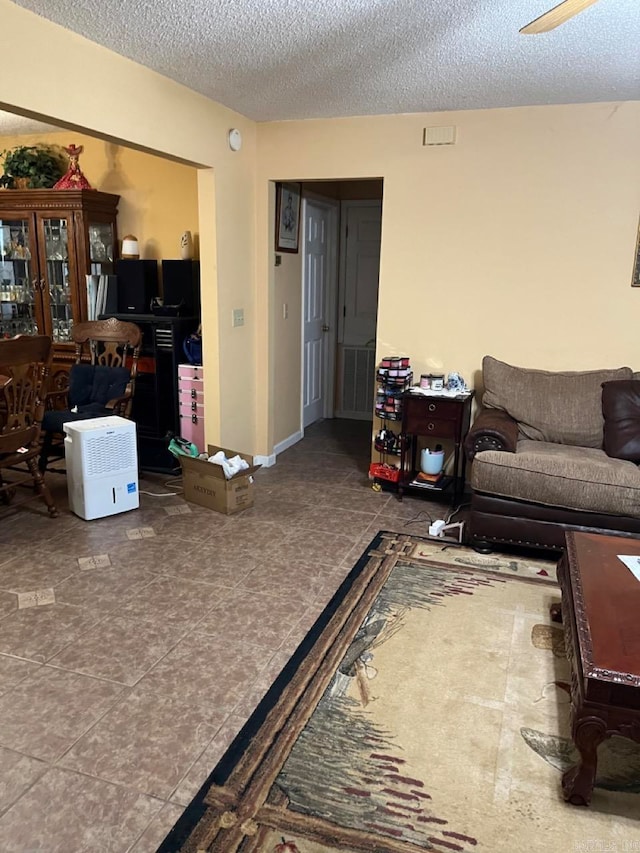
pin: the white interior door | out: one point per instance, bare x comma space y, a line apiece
360, 271
315, 323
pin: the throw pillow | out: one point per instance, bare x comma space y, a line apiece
621, 411
564, 407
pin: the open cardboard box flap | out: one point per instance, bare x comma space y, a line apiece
190, 464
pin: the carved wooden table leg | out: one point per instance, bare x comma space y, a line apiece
577, 782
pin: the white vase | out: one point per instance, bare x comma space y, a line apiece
186, 246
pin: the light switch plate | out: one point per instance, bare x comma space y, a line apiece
238, 317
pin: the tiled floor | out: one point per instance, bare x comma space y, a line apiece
118, 699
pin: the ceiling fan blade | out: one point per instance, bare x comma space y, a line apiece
556, 16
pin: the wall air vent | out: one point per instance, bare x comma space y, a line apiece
439, 135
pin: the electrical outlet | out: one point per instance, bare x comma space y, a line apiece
285, 311
238, 317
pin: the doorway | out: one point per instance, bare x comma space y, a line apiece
340, 273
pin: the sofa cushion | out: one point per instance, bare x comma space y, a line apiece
562, 407
580, 478
621, 411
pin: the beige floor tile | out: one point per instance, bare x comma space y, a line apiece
214, 561
14, 670
210, 671
303, 545
296, 580
17, 773
103, 589
48, 711
276, 509
266, 573
155, 555
119, 648
236, 616
345, 522
172, 602
34, 568
157, 830
65, 812
8, 603
194, 527
198, 773
39, 633
146, 742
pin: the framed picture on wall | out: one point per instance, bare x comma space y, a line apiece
287, 216
635, 281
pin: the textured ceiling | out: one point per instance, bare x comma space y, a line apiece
292, 59
13, 125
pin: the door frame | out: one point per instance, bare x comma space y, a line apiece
331, 301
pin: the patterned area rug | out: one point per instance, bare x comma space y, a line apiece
428, 709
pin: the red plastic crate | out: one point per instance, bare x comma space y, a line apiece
382, 471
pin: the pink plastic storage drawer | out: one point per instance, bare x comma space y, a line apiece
190, 371
194, 395
192, 423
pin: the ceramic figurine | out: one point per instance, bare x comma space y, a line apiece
73, 179
186, 246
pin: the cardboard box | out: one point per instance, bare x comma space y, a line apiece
205, 484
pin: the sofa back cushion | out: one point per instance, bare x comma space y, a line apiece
621, 410
562, 407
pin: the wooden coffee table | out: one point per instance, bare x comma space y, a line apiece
601, 616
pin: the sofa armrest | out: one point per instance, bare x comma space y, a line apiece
493, 429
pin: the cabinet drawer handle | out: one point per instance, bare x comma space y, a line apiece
431, 426
194, 406
194, 393
432, 407
194, 419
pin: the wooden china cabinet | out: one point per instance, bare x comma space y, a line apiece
49, 241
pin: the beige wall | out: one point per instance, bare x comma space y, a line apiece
158, 197
55, 75
517, 241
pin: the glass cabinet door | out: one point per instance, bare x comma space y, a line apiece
57, 284
101, 248
18, 282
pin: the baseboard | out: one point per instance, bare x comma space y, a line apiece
281, 446
294, 438
265, 461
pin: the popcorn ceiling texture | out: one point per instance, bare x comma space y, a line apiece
295, 59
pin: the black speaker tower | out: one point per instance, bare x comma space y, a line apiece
181, 286
137, 285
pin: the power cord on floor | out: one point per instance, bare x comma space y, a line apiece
173, 483
456, 511
419, 517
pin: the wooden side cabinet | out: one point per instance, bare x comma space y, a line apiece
49, 241
434, 417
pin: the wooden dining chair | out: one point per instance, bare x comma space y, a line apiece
25, 364
101, 382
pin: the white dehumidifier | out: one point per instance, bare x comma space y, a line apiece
102, 466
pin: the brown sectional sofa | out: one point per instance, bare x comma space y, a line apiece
553, 451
